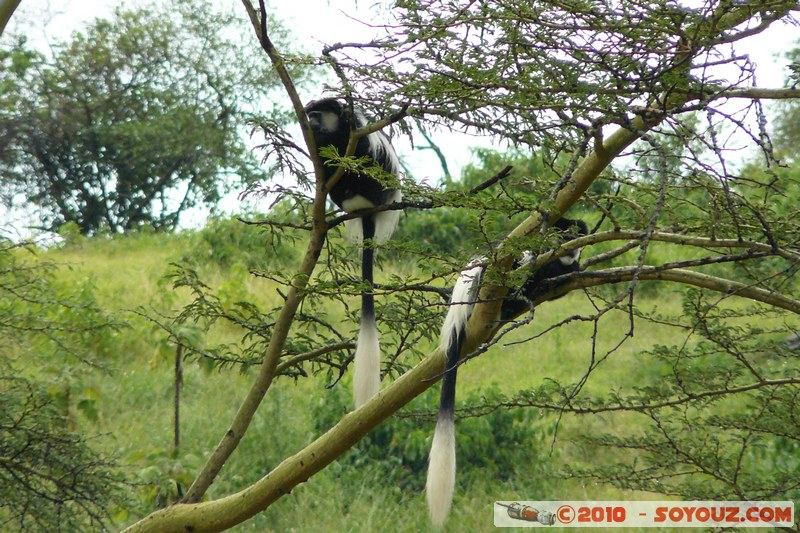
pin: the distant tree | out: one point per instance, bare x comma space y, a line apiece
133, 120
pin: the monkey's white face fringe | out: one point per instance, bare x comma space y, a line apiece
329, 121
441, 471
367, 371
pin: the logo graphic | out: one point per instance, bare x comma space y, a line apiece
527, 513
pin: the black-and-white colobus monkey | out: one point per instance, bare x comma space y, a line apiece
442, 461
331, 122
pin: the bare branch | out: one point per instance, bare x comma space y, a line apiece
259, 23
632, 406
491, 181
752, 93
313, 354
679, 275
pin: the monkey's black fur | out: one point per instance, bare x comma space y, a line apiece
441, 468
332, 123
322, 114
541, 281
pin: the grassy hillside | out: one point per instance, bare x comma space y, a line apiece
517, 454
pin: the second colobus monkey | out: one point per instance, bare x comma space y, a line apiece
442, 462
331, 122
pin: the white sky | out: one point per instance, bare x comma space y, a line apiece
318, 22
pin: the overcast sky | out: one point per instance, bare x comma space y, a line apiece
318, 22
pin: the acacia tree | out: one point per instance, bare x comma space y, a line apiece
134, 120
585, 85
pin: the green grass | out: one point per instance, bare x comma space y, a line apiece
136, 402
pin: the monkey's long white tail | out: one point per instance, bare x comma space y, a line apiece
367, 362
441, 481
441, 469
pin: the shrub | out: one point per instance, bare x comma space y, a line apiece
226, 242
493, 446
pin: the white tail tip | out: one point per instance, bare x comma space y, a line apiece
441, 471
367, 371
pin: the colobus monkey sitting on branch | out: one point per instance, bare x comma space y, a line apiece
332, 123
442, 462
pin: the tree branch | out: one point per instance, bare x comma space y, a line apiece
259, 24
313, 354
753, 93
226, 512
639, 407
294, 297
672, 273
674, 238
7, 8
